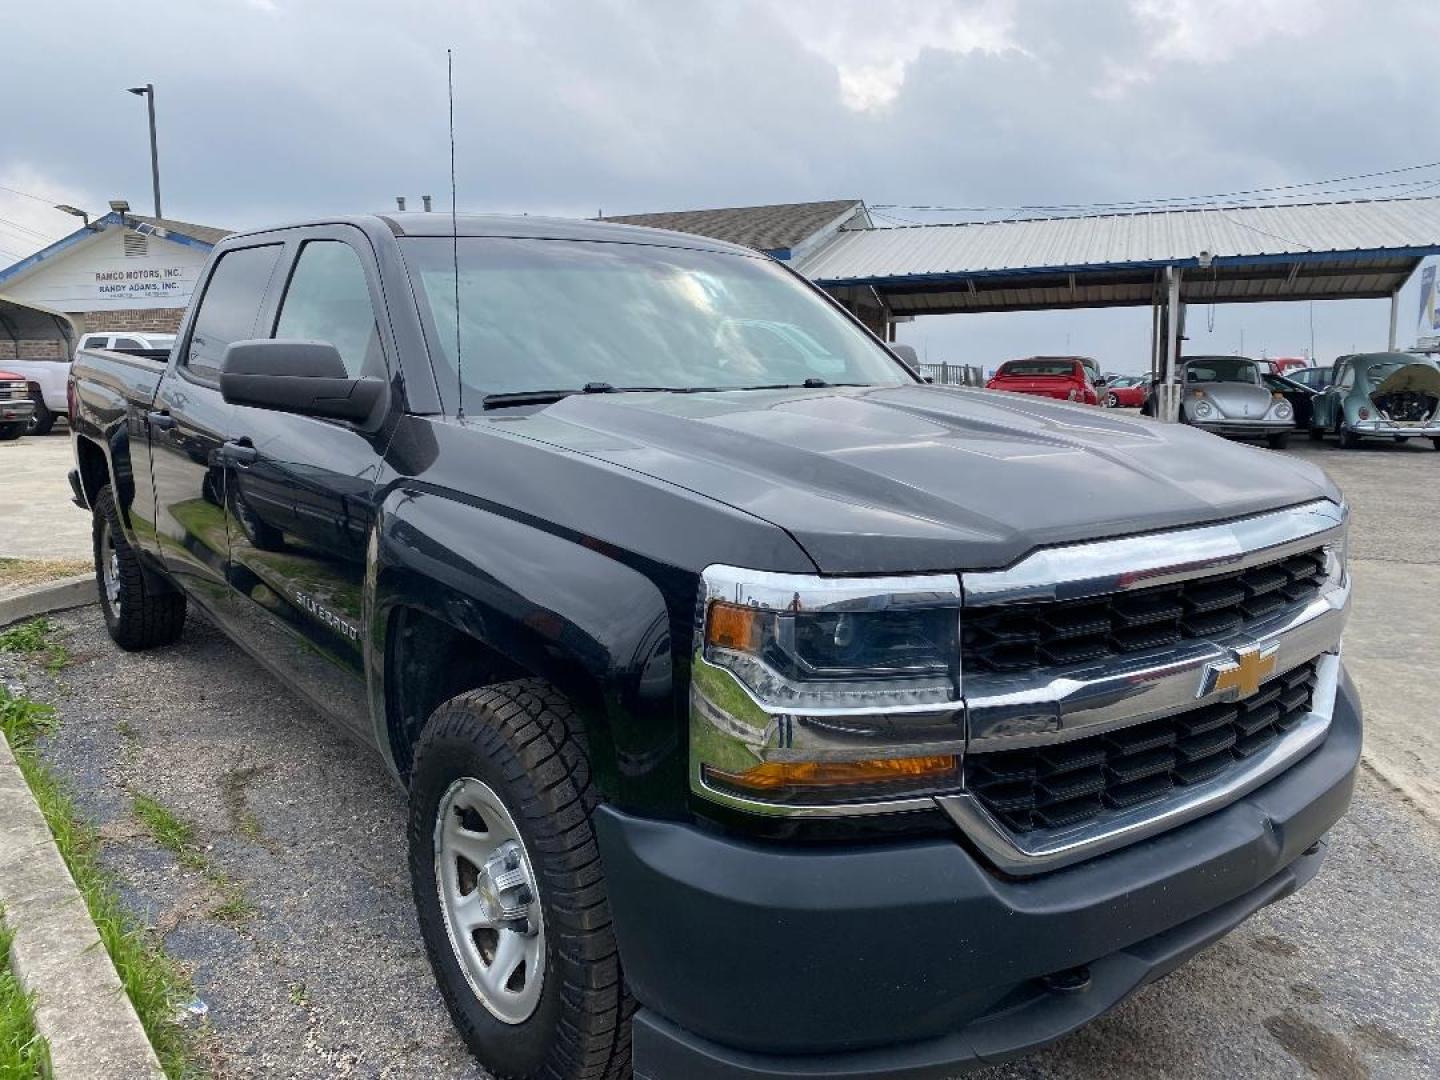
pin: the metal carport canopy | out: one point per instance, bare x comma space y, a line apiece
1314, 251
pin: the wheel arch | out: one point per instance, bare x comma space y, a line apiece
463, 596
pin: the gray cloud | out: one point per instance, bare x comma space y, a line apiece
274, 110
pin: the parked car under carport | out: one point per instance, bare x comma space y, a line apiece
1380, 395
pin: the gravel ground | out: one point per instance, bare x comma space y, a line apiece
327, 978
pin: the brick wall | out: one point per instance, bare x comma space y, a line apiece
155, 320
31, 349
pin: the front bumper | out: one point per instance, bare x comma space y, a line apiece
1240, 429
1389, 429
912, 959
16, 412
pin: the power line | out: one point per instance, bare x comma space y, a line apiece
18, 227
1297, 190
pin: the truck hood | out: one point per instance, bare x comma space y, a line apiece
914, 478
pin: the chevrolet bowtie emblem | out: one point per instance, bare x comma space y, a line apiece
1242, 676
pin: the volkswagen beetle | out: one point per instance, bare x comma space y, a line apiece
1228, 396
1379, 395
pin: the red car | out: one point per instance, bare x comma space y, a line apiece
1060, 377
1125, 392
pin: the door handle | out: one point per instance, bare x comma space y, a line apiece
239, 452
160, 420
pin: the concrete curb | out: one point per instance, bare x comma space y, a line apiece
71, 592
80, 1005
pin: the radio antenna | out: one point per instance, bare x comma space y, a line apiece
455, 238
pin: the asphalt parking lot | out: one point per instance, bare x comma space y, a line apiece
325, 975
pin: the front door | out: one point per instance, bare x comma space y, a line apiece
188, 423
301, 494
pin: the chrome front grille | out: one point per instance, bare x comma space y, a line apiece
1102, 699
1026, 637
1064, 784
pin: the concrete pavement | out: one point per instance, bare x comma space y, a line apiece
37, 518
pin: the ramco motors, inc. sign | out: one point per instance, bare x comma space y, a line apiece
146, 281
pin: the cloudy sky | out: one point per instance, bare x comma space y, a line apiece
275, 109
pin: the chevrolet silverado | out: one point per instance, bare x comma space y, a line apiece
762, 710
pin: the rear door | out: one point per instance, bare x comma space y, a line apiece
301, 493
189, 422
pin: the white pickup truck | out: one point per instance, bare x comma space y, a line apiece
47, 377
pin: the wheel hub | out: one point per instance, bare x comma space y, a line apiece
110, 570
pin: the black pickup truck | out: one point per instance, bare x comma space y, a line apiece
763, 711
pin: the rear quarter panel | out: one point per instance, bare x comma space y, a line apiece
113, 394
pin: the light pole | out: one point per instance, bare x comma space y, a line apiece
148, 93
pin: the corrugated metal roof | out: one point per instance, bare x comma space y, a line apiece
779, 227
1176, 237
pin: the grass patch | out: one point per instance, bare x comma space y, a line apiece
170, 831
20, 572
177, 836
235, 908
36, 636
153, 982
23, 1052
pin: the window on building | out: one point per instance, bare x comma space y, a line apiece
329, 300
230, 307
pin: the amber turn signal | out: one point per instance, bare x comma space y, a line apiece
731, 626
772, 775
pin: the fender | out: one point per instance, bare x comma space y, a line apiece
601, 631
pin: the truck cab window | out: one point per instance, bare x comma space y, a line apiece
328, 300
230, 307
127, 343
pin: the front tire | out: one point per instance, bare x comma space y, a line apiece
138, 615
1111, 401
1316, 435
43, 420
1278, 441
506, 873
1348, 439
10, 432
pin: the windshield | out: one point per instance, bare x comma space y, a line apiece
1217, 369
542, 315
1038, 367
1379, 372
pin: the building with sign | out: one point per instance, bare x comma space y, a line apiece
120, 272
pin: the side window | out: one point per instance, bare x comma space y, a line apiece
1347, 377
97, 341
127, 343
328, 300
230, 306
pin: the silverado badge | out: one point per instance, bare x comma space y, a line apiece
1243, 673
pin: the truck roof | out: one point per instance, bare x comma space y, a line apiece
437, 223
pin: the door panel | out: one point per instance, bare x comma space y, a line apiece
301, 494
190, 421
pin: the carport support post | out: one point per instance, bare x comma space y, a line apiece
1167, 407
1394, 317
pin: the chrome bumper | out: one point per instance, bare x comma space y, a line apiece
1244, 427
1388, 428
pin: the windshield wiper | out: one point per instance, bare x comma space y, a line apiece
549, 397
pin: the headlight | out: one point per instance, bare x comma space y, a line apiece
1282, 410
1203, 409
808, 694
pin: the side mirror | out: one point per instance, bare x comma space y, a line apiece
305, 377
